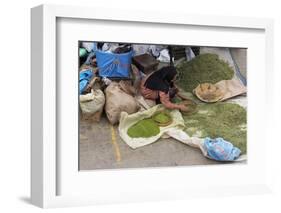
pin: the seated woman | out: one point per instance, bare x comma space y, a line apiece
159, 86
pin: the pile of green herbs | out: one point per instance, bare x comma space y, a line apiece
162, 118
144, 129
205, 68
149, 127
226, 120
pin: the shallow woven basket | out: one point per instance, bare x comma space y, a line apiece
208, 92
189, 104
163, 124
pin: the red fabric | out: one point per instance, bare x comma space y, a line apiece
153, 95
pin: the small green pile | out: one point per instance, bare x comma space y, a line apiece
226, 120
203, 68
176, 100
191, 108
161, 118
144, 129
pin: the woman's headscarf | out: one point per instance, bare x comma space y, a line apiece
161, 79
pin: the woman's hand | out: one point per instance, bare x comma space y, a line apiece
183, 108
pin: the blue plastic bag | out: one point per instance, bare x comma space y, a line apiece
84, 79
114, 65
221, 150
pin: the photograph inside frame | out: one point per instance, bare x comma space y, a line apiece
150, 105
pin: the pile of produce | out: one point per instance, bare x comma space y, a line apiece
144, 129
150, 127
191, 107
205, 68
190, 104
226, 120
162, 118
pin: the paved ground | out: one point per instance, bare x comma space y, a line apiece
102, 148
240, 56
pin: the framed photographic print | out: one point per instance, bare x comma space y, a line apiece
129, 106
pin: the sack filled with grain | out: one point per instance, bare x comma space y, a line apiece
91, 105
118, 101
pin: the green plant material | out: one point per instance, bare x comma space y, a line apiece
176, 100
162, 117
226, 120
144, 129
203, 68
191, 107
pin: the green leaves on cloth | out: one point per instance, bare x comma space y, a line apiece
144, 129
226, 120
161, 118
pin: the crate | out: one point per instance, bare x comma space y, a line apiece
145, 63
178, 52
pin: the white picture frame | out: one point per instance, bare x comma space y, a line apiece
48, 167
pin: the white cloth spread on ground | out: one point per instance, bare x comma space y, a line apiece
126, 121
174, 130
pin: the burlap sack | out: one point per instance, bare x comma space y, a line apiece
144, 103
127, 87
118, 101
91, 105
231, 88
